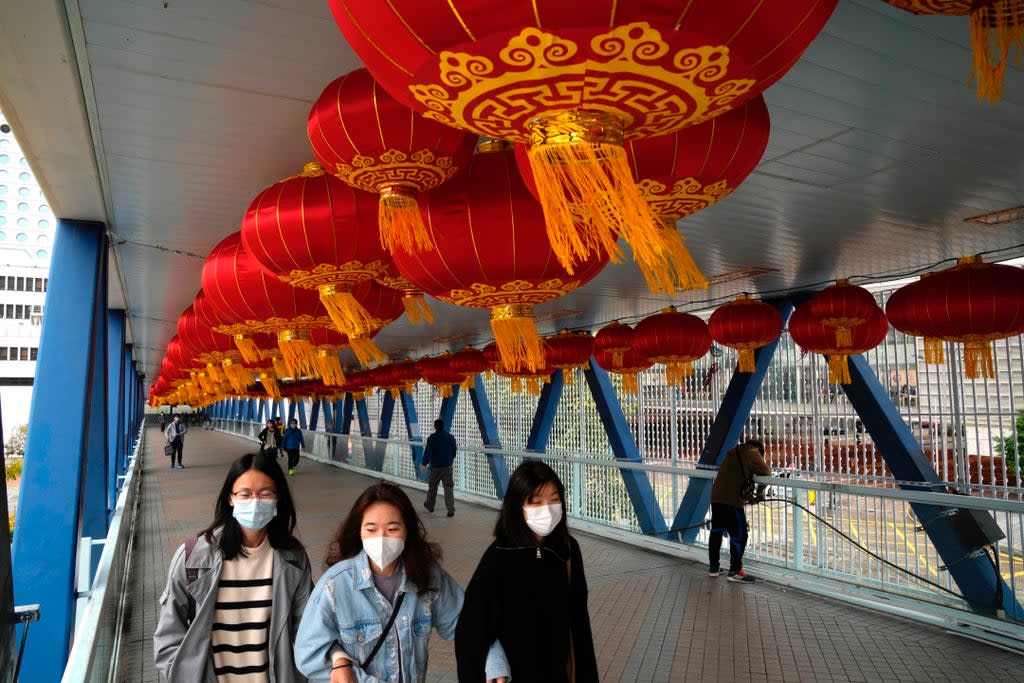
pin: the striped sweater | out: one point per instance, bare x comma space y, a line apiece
241, 619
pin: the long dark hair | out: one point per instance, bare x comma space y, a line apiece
511, 528
418, 552
280, 531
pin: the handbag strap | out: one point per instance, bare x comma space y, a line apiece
380, 641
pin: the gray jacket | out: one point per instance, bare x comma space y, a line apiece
182, 653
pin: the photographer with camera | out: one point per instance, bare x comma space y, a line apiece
728, 496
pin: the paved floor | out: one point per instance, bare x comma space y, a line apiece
655, 618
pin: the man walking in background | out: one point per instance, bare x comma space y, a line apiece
439, 454
176, 438
291, 443
727, 516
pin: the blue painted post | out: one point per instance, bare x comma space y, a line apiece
115, 403
292, 408
95, 510
974, 573
725, 433
489, 435
329, 406
544, 416
376, 451
387, 412
314, 414
302, 413
343, 418
263, 410
641, 494
50, 505
363, 418
448, 406
412, 430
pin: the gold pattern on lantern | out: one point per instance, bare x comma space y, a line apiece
422, 170
351, 272
480, 295
686, 196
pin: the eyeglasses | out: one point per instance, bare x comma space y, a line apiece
263, 494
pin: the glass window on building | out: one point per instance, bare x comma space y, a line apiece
20, 284
39, 284
23, 353
33, 353
9, 311
3, 353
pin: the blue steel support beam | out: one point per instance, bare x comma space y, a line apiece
412, 430
364, 418
387, 412
314, 414
343, 419
329, 411
302, 413
641, 494
977, 577
726, 432
544, 416
49, 507
115, 408
292, 408
130, 384
448, 405
371, 454
95, 510
489, 435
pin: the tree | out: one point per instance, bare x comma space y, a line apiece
1010, 447
15, 446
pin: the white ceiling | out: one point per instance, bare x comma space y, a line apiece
164, 118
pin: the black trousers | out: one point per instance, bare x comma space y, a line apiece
731, 520
293, 457
178, 444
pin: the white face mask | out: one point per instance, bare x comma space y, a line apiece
254, 514
542, 519
383, 550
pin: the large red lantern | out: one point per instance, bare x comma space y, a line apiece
973, 303
470, 362
567, 351
629, 365
438, 372
313, 231
745, 325
365, 137
614, 338
813, 336
416, 307
496, 254
578, 78
997, 35
901, 310
843, 306
673, 338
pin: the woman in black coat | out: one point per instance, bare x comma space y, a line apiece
529, 591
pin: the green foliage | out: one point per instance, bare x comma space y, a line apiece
1010, 447
13, 469
15, 446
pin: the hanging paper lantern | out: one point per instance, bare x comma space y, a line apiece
900, 310
745, 325
437, 371
405, 374
973, 303
567, 351
495, 254
997, 36
614, 338
365, 137
674, 339
577, 79
416, 307
313, 231
813, 336
469, 362
522, 378
628, 365
843, 306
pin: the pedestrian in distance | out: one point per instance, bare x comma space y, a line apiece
372, 612
529, 591
175, 434
235, 593
727, 515
270, 438
292, 442
439, 457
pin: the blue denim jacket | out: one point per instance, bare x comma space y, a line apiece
347, 609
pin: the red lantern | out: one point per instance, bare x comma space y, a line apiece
745, 325
843, 306
674, 339
628, 366
614, 338
813, 336
313, 231
438, 372
495, 255
365, 137
416, 307
997, 33
973, 303
469, 362
576, 79
567, 351
900, 309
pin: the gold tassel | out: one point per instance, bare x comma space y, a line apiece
997, 37
617, 357
348, 315
280, 367
746, 361
515, 384
978, 360
516, 336
673, 270
934, 351
330, 368
401, 224
676, 371
844, 339
214, 372
630, 384
270, 385
838, 369
417, 309
247, 347
237, 375
298, 353
445, 390
367, 353
532, 385
569, 375
395, 392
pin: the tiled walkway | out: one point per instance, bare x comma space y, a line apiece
655, 618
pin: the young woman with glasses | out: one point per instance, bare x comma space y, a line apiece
236, 592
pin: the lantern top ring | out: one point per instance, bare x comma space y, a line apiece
511, 311
577, 126
292, 335
397, 194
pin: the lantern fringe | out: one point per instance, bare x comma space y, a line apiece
518, 342
934, 351
844, 339
978, 360
532, 385
838, 369
630, 385
516, 384
677, 371
348, 315
237, 375
215, 374
247, 347
673, 270
997, 37
270, 385
401, 224
417, 309
281, 367
299, 355
747, 363
330, 368
617, 357
445, 390
367, 353
396, 392
569, 376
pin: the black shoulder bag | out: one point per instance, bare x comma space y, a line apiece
380, 641
750, 491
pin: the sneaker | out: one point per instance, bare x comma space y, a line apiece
451, 513
715, 572
291, 471
428, 509
180, 466
741, 577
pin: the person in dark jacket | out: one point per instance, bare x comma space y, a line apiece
292, 442
727, 516
439, 455
529, 591
270, 438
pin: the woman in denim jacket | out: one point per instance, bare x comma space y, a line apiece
379, 556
